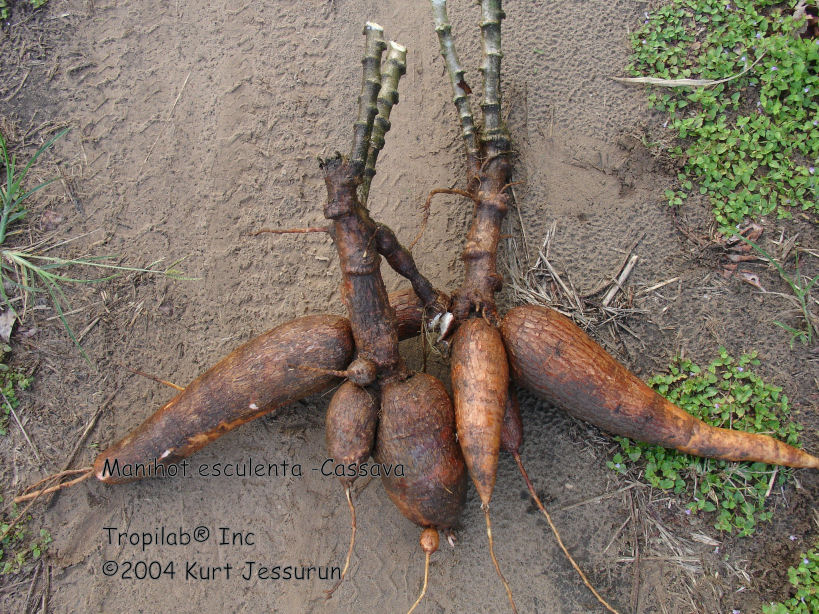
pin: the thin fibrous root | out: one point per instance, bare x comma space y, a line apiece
537, 501
428, 204
495, 561
287, 231
429, 544
424, 587
158, 380
509, 185
342, 374
86, 472
329, 593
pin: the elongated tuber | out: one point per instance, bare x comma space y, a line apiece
254, 379
553, 358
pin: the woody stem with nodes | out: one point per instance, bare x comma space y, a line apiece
489, 167
480, 372
384, 409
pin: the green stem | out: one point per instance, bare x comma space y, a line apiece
491, 16
370, 85
456, 75
395, 67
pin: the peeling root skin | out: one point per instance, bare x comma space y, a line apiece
409, 311
552, 357
253, 380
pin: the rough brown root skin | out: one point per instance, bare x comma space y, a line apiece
553, 358
512, 429
351, 420
253, 380
480, 379
417, 431
371, 318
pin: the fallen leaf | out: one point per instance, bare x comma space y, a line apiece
7, 320
751, 278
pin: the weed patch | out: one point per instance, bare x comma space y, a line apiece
5, 6
18, 550
11, 381
727, 394
805, 580
751, 145
27, 270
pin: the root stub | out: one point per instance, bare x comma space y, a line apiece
556, 360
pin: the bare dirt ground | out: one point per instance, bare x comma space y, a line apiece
194, 124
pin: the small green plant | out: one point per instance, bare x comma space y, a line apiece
751, 145
28, 270
805, 580
11, 381
17, 551
4, 7
801, 295
726, 394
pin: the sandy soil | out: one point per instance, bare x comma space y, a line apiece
195, 124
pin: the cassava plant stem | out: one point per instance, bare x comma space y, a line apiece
416, 420
370, 85
491, 16
394, 67
459, 87
488, 165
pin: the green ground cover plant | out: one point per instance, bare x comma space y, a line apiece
726, 393
11, 382
800, 287
805, 580
750, 145
5, 7
18, 549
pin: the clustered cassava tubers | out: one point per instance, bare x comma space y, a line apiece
384, 409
